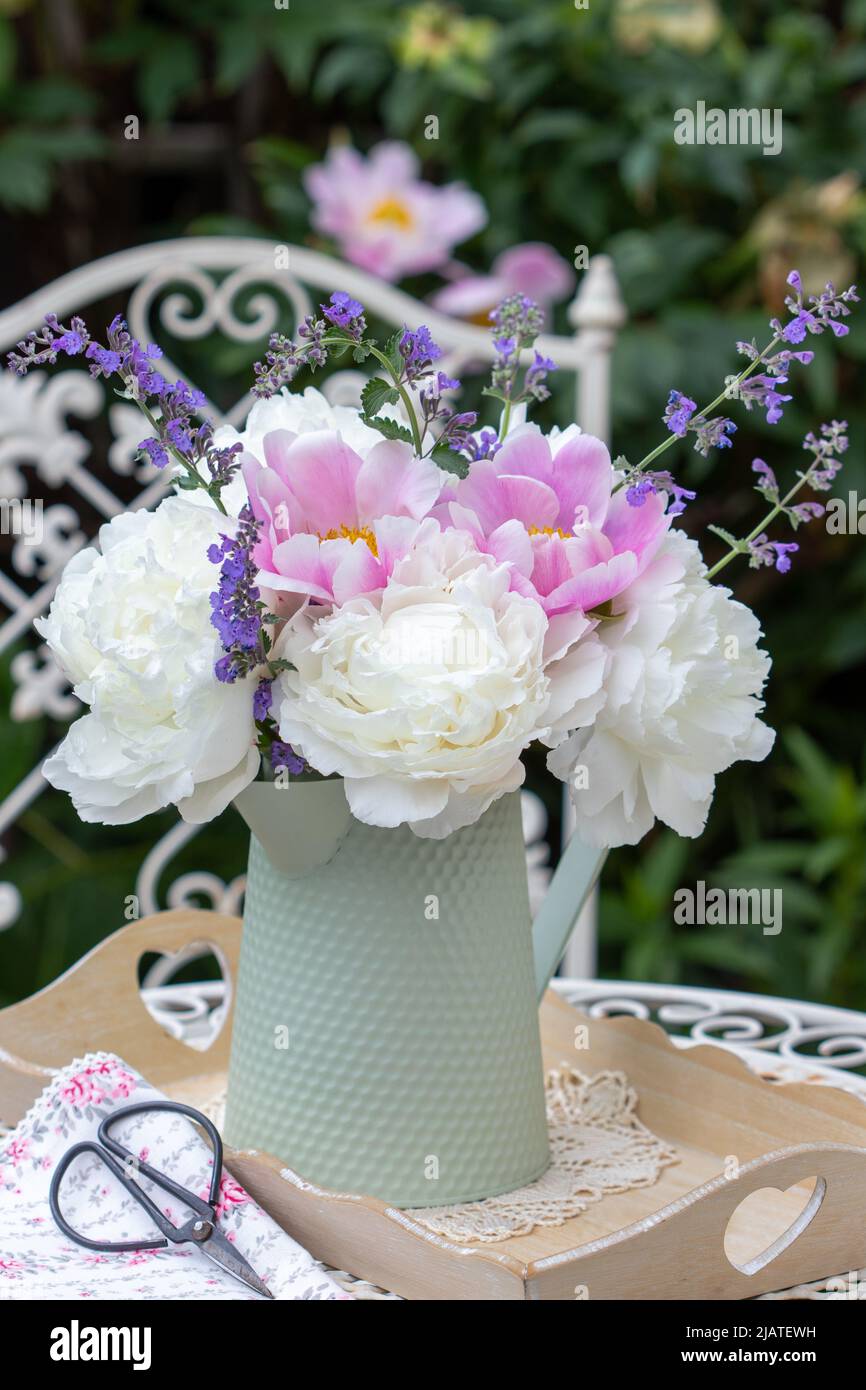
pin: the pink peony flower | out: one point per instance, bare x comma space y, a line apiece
552, 514
532, 268
334, 522
383, 217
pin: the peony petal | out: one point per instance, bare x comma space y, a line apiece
510, 545
496, 498
394, 538
526, 452
583, 477
211, 798
356, 569
640, 529
390, 801
323, 472
594, 586
276, 445
298, 568
550, 567
393, 482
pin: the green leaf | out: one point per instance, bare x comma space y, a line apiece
450, 460
171, 72
389, 428
239, 48
377, 393
392, 352
279, 663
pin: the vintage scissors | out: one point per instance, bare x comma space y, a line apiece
200, 1229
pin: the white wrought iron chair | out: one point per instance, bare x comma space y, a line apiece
192, 288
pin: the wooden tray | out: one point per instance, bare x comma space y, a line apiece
806, 1143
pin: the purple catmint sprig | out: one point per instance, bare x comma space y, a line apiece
173, 409
825, 448
283, 756
484, 445
417, 352
776, 553
343, 324
661, 481
762, 391
822, 312
681, 419
408, 358
237, 604
678, 413
342, 311
42, 347
516, 323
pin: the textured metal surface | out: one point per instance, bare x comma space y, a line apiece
413, 1066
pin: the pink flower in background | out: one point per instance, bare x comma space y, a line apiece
533, 269
547, 506
383, 217
334, 522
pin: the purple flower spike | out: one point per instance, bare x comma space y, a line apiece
418, 352
237, 610
637, 494
777, 553
262, 700
768, 484
678, 413
712, 434
283, 755
345, 312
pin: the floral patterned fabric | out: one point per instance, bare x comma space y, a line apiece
38, 1262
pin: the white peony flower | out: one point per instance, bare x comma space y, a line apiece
425, 703
683, 693
131, 628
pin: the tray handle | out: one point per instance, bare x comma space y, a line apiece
826, 1237
96, 1006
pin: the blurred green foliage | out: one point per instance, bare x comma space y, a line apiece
562, 118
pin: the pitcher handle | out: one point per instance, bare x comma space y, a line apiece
576, 876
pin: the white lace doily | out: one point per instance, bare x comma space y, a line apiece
597, 1146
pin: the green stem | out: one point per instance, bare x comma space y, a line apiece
506, 420
707, 410
184, 462
762, 525
404, 395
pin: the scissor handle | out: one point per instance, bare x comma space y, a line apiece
109, 1151
183, 1194
162, 1223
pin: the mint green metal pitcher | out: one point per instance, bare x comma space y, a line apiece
385, 1033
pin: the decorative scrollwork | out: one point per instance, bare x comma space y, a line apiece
801, 1033
34, 429
42, 688
217, 310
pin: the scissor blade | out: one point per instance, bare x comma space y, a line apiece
218, 1249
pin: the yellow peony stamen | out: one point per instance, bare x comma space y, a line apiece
393, 211
352, 533
548, 531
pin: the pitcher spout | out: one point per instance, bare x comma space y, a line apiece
300, 825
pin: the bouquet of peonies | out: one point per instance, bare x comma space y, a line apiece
397, 597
